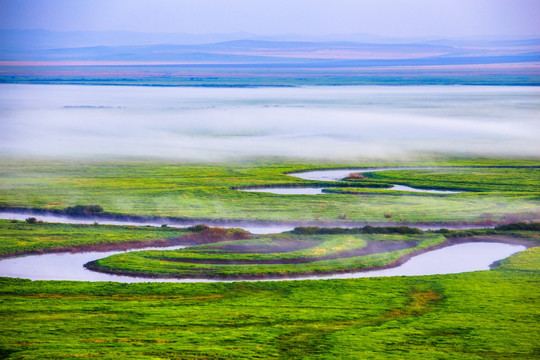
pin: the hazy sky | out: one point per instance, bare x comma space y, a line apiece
404, 18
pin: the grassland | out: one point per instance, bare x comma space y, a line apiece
502, 180
481, 315
202, 191
19, 237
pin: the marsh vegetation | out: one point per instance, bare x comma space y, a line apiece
399, 317
494, 191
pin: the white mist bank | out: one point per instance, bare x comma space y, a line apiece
338, 123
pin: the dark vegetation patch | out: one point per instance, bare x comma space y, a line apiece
214, 234
198, 227
83, 210
313, 230
5, 353
535, 226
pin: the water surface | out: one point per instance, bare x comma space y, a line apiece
452, 259
339, 174
319, 190
252, 227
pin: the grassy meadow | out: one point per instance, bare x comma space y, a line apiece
203, 191
480, 315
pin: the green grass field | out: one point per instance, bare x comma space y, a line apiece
19, 237
191, 191
481, 315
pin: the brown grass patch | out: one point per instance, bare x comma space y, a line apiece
420, 303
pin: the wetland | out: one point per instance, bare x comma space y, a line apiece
435, 257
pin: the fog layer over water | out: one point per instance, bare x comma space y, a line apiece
337, 123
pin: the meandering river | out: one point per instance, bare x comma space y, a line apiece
70, 266
451, 259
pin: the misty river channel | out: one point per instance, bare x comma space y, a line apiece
338, 174
465, 257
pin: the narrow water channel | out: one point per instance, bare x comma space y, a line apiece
252, 227
319, 190
338, 175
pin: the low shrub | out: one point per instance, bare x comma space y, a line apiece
198, 227
83, 210
212, 234
315, 230
519, 226
442, 231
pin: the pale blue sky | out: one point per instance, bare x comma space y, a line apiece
404, 18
